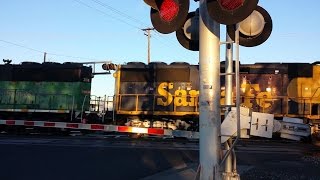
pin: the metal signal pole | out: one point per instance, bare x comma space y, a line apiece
210, 120
148, 34
228, 100
230, 171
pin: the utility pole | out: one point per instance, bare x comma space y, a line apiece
209, 115
44, 56
148, 34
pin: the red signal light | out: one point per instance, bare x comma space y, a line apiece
168, 16
230, 11
231, 4
169, 10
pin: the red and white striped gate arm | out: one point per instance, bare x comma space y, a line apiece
102, 127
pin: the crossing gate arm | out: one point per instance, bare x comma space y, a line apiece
288, 130
102, 127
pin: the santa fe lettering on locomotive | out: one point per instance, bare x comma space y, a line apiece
181, 97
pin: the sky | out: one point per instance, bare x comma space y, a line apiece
110, 30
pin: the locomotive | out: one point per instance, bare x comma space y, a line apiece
50, 91
166, 95
156, 93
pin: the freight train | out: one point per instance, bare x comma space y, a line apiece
155, 95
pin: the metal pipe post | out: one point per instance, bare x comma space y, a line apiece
237, 81
228, 97
210, 120
229, 71
148, 46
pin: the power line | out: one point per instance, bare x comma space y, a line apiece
74, 57
19, 45
119, 12
165, 43
42, 52
122, 14
98, 10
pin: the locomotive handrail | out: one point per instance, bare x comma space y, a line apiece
136, 101
137, 96
84, 99
98, 101
72, 109
304, 109
315, 92
154, 96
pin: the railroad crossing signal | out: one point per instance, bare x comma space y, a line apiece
254, 30
168, 15
109, 66
188, 34
230, 11
254, 22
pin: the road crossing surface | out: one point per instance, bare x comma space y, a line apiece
120, 157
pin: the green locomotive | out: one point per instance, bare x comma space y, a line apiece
47, 91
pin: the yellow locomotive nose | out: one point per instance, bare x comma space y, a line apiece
302, 89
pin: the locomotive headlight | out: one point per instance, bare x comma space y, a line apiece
268, 89
243, 89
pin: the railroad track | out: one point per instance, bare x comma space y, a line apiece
153, 142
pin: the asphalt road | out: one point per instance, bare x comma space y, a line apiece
85, 158
65, 158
